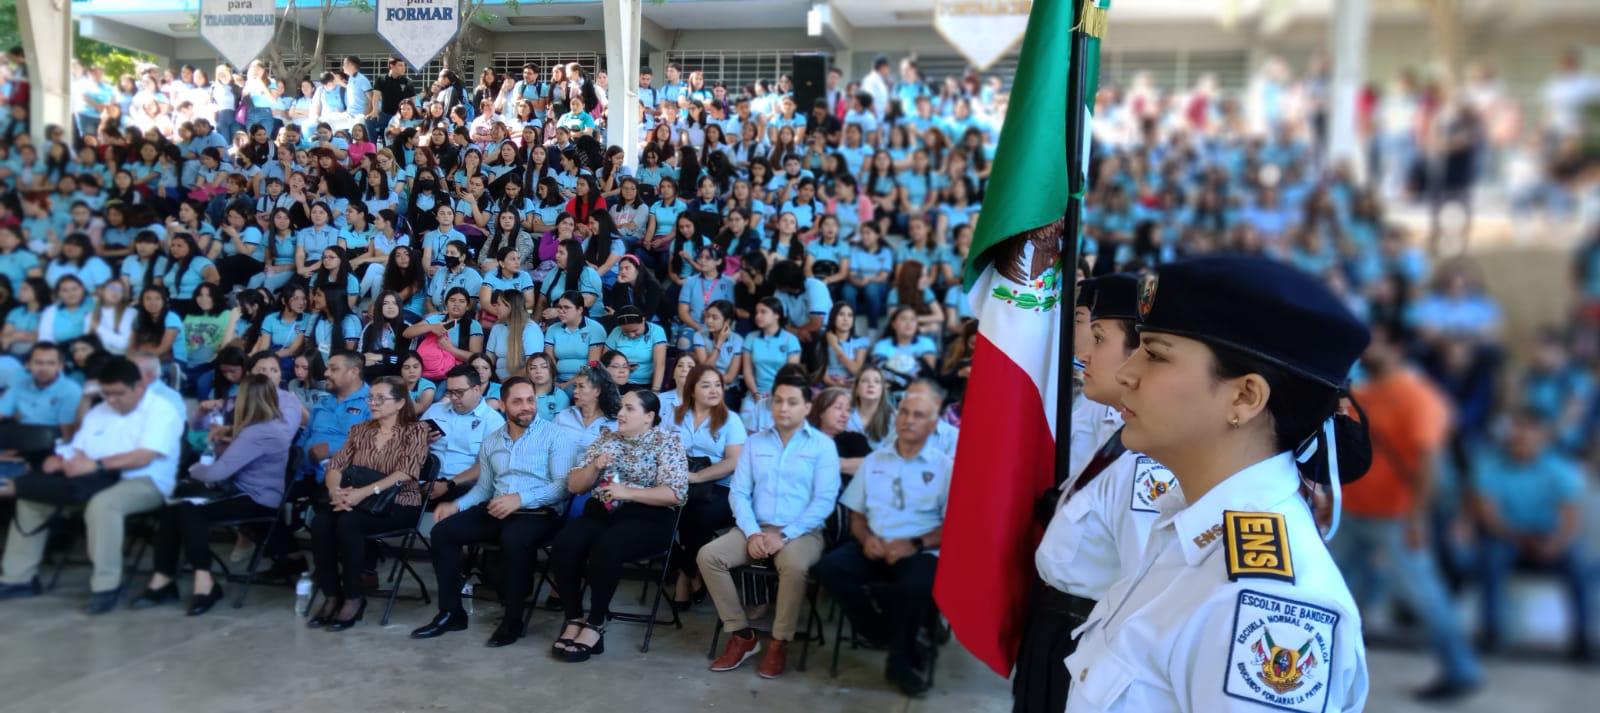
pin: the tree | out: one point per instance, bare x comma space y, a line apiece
286, 55
116, 61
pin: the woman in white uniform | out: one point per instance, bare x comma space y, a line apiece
1235, 604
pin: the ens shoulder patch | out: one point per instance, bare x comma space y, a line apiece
1257, 546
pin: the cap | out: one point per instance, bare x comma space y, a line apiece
1263, 308
1116, 296
1085, 294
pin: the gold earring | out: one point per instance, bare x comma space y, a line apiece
1235, 422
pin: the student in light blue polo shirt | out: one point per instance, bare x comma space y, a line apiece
806, 300
902, 352
43, 397
644, 344
512, 313
283, 330
573, 340
699, 290
15, 260
77, 259
552, 400
828, 248
506, 275
186, 268
846, 353
871, 268
68, 318
455, 275
766, 350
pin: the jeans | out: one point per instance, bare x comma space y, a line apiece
517, 534
869, 300
87, 125
225, 124
1496, 557
899, 608
1372, 553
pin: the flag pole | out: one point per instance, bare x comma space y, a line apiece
1077, 80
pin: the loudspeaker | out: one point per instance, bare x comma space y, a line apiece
810, 81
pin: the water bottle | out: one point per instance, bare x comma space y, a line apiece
466, 597
210, 454
302, 595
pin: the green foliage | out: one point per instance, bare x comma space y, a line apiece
114, 60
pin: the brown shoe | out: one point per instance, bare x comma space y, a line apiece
739, 648
773, 662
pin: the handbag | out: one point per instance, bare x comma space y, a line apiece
436, 362
200, 492
61, 491
358, 477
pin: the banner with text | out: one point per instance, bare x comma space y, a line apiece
238, 29
982, 30
418, 30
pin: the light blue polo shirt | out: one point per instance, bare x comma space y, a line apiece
16, 264
332, 419
571, 346
521, 281
283, 248
856, 347
68, 324
454, 334
701, 442
444, 280
820, 251
180, 346
54, 404
133, 269
321, 332
94, 273
555, 284
768, 354
867, 264
901, 498
281, 332
424, 385
436, 240
532, 343
814, 301
183, 286
731, 347
666, 214
639, 350
698, 292
458, 449
314, 240
552, 404
903, 358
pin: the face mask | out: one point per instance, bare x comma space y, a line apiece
452, 262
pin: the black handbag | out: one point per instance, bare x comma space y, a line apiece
358, 477
59, 490
698, 463
200, 492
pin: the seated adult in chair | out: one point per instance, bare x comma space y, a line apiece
897, 503
784, 488
392, 443
638, 474
464, 421
334, 417
131, 432
516, 503
250, 473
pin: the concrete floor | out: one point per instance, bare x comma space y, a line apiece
261, 659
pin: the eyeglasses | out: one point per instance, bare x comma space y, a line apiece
378, 400
457, 393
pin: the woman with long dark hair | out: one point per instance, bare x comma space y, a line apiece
572, 274
332, 327
403, 275
157, 329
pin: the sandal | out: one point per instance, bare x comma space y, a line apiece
582, 652
559, 648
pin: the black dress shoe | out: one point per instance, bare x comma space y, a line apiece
343, 624
155, 597
506, 634
443, 622
202, 603
30, 588
103, 602
324, 616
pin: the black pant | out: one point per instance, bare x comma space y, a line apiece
706, 512
1041, 684
190, 525
340, 538
518, 535
594, 547
901, 606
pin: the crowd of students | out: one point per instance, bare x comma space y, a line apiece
448, 243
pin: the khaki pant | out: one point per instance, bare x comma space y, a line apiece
793, 562
103, 519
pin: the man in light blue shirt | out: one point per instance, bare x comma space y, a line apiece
897, 503
464, 420
521, 486
46, 399
783, 490
333, 416
357, 89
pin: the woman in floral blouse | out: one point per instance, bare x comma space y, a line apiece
639, 475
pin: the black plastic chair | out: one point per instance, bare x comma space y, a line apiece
933, 629
764, 574
408, 536
659, 578
281, 517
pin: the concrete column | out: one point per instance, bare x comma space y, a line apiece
1348, 38
46, 27
623, 19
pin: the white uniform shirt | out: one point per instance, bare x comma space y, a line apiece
902, 498
1099, 533
153, 425
1092, 424
1190, 631
464, 434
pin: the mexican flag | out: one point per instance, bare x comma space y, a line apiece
1018, 288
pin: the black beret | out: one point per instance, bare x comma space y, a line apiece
1116, 296
1263, 308
1085, 294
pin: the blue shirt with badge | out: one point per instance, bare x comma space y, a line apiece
864, 263
768, 354
901, 497
731, 347
54, 404
333, 417
1529, 495
698, 292
519, 281
639, 350
789, 485
280, 331
571, 346
321, 331
183, 285
551, 404
458, 449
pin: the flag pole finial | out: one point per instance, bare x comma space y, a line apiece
1092, 21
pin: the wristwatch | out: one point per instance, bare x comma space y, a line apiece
917, 543
377, 491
